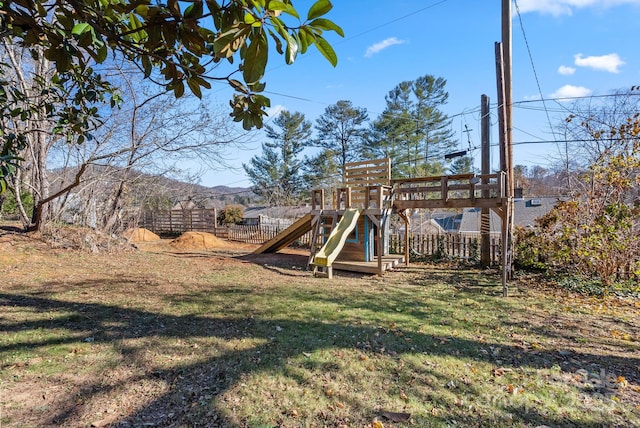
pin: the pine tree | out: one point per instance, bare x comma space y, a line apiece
277, 174
412, 130
341, 130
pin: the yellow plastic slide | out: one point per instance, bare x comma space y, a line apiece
337, 238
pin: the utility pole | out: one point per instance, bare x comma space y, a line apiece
485, 168
505, 104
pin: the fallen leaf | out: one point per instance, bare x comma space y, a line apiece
104, 422
377, 424
339, 405
500, 371
294, 413
404, 396
396, 417
622, 382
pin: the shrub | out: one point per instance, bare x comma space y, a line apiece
231, 214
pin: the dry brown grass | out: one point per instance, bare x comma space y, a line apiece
184, 337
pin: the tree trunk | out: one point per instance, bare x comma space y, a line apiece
115, 207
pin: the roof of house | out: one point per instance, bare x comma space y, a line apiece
291, 212
526, 211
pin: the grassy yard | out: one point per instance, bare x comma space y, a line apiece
218, 338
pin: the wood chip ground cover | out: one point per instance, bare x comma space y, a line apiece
220, 338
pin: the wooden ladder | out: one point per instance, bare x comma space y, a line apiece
321, 233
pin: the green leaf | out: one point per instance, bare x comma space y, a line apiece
325, 24
195, 87
101, 55
248, 122
257, 86
174, 7
238, 86
277, 41
318, 9
81, 28
255, 60
305, 38
142, 10
249, 18
285, 7
178, 88
146, 65
326, 50
277, 5
292, 49
194, 11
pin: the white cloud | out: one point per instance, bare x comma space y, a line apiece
380, 46
570, 91
610, 63
566, 7
275, 110
566, 71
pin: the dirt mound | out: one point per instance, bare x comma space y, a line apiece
197, 241
140, 234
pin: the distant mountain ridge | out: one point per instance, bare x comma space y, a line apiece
172, 190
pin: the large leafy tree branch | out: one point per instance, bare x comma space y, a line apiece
179, 43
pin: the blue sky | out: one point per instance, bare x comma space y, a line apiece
577, 47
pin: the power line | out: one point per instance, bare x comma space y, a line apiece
432, 5
535, 74
583, 97
556, 141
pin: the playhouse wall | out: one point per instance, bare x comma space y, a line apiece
354, 250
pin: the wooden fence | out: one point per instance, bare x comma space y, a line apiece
448, 245
175, 222
259, 234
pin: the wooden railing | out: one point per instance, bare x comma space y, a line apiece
450, 191
360, 178
444, 246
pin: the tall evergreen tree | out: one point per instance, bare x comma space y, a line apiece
341, 129
277, 174
412, 130
321, 170
462, 165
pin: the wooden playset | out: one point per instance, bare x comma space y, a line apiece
352, 233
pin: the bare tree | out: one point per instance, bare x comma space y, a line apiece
30, 74
153, 133
587, 127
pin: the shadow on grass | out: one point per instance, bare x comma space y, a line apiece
278, 341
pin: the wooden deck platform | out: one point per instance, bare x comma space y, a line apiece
388, 263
